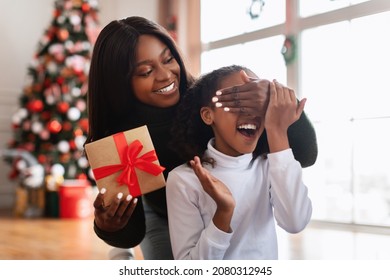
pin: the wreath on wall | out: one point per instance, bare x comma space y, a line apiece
289, 49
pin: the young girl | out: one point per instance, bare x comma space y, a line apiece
138, 77
222, 205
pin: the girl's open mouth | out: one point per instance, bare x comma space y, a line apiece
247, 129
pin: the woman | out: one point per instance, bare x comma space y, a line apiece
137, 77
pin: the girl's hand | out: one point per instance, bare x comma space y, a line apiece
218, 192
115, 216
250, 98
282, 111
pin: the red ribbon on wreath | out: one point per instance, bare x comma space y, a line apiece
129, 161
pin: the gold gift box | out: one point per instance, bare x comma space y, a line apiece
109, 160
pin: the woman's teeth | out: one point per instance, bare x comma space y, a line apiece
166, 89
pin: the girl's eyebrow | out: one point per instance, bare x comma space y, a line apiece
148, 61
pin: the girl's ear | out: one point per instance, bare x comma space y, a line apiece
206, 113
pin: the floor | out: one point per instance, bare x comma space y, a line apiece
74, 239
51, 239
327, 241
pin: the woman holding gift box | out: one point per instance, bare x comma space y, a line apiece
137, 77
222, 205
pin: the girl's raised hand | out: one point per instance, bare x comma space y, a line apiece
219, 193
212, 186
115, 216
282, 111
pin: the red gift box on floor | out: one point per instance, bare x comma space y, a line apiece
125, 162
75, 199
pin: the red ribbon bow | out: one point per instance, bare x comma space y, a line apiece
129, 161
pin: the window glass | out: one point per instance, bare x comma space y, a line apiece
371, 171
310, 7
226, 18
370, 60
343, 68
325, 66
329, 179
261, 56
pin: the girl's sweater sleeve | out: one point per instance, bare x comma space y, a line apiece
289, 196
190, 237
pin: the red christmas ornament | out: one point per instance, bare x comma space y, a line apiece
63, 107
56, 13
78, 132
35, 106
72, 144
60, 80
85, 7
84, 124
82, 176
54, 126
63, 34
42, 159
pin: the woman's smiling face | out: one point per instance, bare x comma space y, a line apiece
235, 134
157, 74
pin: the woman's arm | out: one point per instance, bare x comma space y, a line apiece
130, 235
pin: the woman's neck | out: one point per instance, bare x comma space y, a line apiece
144, 114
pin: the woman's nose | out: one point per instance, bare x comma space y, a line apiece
163, 73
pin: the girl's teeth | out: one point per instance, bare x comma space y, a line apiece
247, 126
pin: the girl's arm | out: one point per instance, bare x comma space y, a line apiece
289, 195
292, 207
193, 236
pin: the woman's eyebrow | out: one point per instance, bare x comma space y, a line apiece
148, 61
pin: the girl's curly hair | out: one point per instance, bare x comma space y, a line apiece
190, 133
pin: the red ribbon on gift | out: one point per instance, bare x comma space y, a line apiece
129, 161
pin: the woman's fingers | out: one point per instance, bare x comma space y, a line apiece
116, 215
250, 98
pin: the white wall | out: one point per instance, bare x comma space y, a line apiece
22, 23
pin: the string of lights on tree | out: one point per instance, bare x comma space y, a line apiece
51, 122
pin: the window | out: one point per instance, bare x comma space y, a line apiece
264, 59
227, 18
310, 7
342, 67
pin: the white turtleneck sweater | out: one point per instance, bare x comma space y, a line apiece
265, 190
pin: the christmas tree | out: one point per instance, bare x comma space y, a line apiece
51, 123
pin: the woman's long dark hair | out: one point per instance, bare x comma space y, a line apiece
191, 133
110, 94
